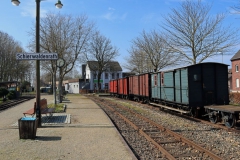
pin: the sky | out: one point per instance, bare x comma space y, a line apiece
119, 20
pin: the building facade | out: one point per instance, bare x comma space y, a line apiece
235, 60
111, 71
72, 86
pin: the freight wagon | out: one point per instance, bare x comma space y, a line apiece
191, 88
198, 90
139, 87
113, 90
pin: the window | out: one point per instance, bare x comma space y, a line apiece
237, 83
113, 76
106, 75
95, 76
117, 75
236, 68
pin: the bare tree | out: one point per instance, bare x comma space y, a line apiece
102, 51
151, 52
73, 74
10, 68
65, 35
196, 35
136, 61
237, 8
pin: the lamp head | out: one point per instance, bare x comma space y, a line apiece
15, 2
59, 4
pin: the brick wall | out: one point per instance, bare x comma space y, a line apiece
235, 75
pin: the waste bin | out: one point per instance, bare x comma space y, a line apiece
27, 127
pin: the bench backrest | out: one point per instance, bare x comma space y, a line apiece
43, 104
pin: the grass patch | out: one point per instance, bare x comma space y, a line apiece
28, 93
58, 107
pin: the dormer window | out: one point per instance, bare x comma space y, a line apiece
236, 68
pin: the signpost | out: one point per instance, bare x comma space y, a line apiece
37, 57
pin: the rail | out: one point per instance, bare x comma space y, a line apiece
158, 135
12, 103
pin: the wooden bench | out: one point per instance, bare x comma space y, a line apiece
43, 107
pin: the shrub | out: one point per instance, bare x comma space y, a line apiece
11, 95
3, 92
234, 98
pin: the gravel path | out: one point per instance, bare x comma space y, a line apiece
91, 135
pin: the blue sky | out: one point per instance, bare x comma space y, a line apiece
119, 20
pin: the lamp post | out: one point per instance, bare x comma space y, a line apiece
59, 6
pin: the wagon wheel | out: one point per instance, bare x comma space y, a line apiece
194, 112
213, 116
229, 119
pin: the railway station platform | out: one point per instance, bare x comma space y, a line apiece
83, 132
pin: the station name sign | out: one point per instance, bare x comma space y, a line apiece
36, 56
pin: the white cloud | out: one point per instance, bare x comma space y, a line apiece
111, 9
111, 15
147, 18
123, 17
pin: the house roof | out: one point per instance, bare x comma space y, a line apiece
236, 56
73, 80
113, 65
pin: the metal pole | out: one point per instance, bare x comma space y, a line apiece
38, 110
59, 86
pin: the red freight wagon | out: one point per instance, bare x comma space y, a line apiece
134, 87
110, 86
113, 87
120, 87
125, 87
144, 90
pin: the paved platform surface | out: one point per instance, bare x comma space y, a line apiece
83, 132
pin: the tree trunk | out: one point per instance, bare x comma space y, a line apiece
60, 86
54, 87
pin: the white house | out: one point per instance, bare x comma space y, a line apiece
72, 86
112, 71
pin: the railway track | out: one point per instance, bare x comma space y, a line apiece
13, 103
169, 144
219, 125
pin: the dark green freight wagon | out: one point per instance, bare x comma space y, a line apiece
191, 88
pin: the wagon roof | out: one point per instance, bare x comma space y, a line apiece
192, 65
